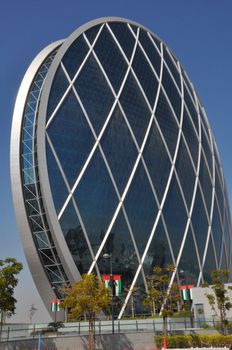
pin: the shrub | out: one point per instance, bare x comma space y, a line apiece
195, 340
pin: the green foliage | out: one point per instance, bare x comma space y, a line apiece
162, 299
9, 269
219, 300
195, 340
87, 297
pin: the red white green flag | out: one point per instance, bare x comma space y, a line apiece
117, 283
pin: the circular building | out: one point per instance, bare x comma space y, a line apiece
111, 152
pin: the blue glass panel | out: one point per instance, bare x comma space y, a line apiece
172, 67
219, 193
210, 262
200, 223
227, 236
167, 123
141, 208
58, 187
92, 33
157, 41
191, 107
135, 107
188, 266
75, 55
203, 119
120, 245
217, 230
119, 149
190, 137
172, 92
150, 50
206, 184
159, 252
71, 137
58, 88
145, 75
224, 264
157, 161
75, 239
111, 58
185, 172
124, 37
175, 215
207, 150
188, 83
95, 93
96, 200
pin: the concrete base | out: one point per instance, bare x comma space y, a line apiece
138, 341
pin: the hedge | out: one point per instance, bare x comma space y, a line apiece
195, 340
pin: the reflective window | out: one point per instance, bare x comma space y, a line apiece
150, 50
91, 33
187, 82
111, 58
191, 107
227, 235
204, 121
96, 200
159, 251
175, 215
207, 150
75, 239
135, 107
185, 172
157, 161
141, 207
124, 37
119, 149
120, 245
219, 192
71, 137
75, 55
172, 67
58, 88
145, 75
206, 184
57, 184
95, 93
217, 230
172, 92
199, 223
167, 123
210, 262
190, 137
224, 264
188, 266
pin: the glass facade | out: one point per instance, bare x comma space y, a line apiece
132, 165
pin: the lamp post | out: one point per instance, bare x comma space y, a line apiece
109, 256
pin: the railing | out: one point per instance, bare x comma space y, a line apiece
155, 325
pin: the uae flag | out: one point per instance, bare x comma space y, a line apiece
117, 286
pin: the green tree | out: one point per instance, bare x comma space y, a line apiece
160, 298
87, 297
219, 300
9, 269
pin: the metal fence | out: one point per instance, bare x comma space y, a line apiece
155, 325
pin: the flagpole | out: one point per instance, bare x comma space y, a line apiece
109, 256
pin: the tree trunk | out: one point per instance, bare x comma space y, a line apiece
1, 325
91, 334
165, 325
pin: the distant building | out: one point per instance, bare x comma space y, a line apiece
202, 310
112, 152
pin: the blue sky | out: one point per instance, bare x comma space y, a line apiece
199, 33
